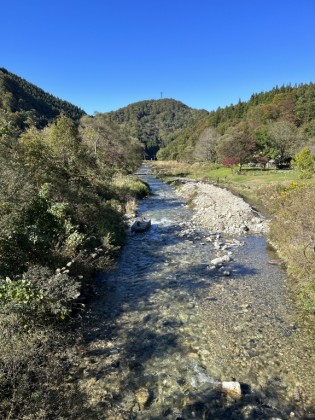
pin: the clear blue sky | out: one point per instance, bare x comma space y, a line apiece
104, 54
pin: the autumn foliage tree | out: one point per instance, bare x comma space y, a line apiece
237, 143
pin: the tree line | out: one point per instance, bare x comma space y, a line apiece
31, 105
271, 125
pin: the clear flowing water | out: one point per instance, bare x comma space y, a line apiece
166, 330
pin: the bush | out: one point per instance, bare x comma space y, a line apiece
40, 294
34, 362
130, 187
304, 161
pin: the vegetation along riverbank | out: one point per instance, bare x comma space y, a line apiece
65, 188
67, 191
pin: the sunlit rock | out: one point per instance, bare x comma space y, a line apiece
233, 389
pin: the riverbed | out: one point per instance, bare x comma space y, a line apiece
168, 326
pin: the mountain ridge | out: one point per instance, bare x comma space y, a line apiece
30, 103
156, 122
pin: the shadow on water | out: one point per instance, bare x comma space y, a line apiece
135, 333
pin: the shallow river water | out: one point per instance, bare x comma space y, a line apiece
166, 329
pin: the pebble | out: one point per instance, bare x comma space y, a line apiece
142, 397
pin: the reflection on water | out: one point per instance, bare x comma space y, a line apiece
167, 329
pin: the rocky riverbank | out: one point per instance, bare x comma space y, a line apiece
192, 325
220, 211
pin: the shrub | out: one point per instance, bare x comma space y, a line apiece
304, 161
130, 187
39, 293
229, 162
34, 362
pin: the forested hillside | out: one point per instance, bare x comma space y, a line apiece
30, 104
258, 119
156, 123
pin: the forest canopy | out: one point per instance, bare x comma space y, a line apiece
269, 118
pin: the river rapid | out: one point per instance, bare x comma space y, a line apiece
167, 327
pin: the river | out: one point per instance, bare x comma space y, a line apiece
165, 330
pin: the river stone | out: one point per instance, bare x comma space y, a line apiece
142, 397
220, 260
233, 389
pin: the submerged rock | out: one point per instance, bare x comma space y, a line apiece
221, 260
233, 389
142, 397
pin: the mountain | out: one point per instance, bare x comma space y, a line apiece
156, 123
30, 103
295, 105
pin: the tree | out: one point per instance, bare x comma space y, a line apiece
112, 148
264, 143
284, 138
62, 137
237, 143
9, 134
35, 156
205, 148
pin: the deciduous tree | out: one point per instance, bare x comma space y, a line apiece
237, 143
284, 137
205, 148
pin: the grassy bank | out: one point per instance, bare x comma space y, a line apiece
283, 196
248, 183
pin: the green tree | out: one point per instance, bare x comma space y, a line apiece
305, 162
9, 134
264, 143
284, 138
112, 148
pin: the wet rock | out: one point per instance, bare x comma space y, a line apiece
233, 389
142, 397
140, 225
226, 273
221, 260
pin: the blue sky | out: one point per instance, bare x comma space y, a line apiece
104, 54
